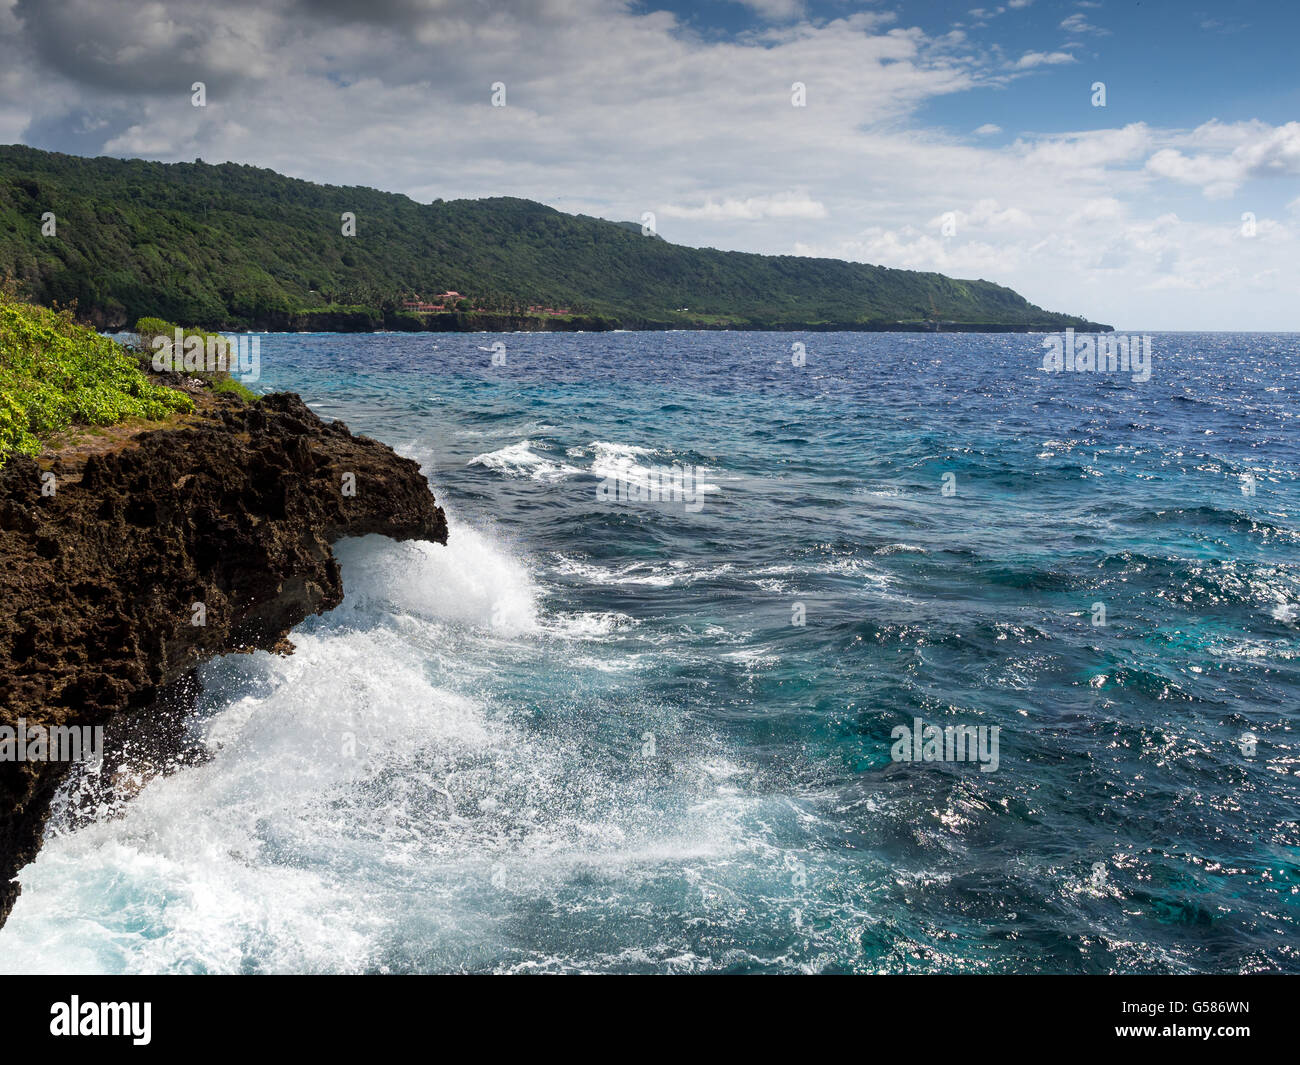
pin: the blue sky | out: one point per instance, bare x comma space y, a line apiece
937, 136
1170, 62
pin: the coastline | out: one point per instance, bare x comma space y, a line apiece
160, 548
475, 322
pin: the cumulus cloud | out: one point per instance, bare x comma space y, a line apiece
1218, 177
1259, 151
615, 109
143, 48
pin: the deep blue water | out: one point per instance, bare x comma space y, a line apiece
591, 737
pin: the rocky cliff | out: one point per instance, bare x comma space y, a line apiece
128, 558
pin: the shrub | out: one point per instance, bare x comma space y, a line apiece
55, 374
217, 380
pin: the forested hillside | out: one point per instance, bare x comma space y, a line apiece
234, 246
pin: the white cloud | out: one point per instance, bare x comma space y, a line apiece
786, 205
987, 215
1218, 177
776, 10
984, 13
1098, 209
1078, 23
1090, 150
1259, 151
1038, 59
628, 112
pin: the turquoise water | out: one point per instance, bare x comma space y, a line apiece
588, 735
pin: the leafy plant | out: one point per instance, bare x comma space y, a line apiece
148, 329
55, 374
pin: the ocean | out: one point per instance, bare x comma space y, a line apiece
600, 732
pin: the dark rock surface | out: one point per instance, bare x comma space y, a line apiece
234, 508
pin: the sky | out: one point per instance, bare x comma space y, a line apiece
930, 136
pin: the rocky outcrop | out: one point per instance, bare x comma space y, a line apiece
112, 551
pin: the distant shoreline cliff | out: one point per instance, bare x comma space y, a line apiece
479, 322
237, 247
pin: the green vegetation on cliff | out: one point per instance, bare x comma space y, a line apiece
147, 329
234, 246
55, 374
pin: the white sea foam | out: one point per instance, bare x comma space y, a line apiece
520, 460
625, 462
369, 804
471, 581
590, 625
497, 431
628, 463
1287, 612
650, 574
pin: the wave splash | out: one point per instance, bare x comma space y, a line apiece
626, 462
368, 805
